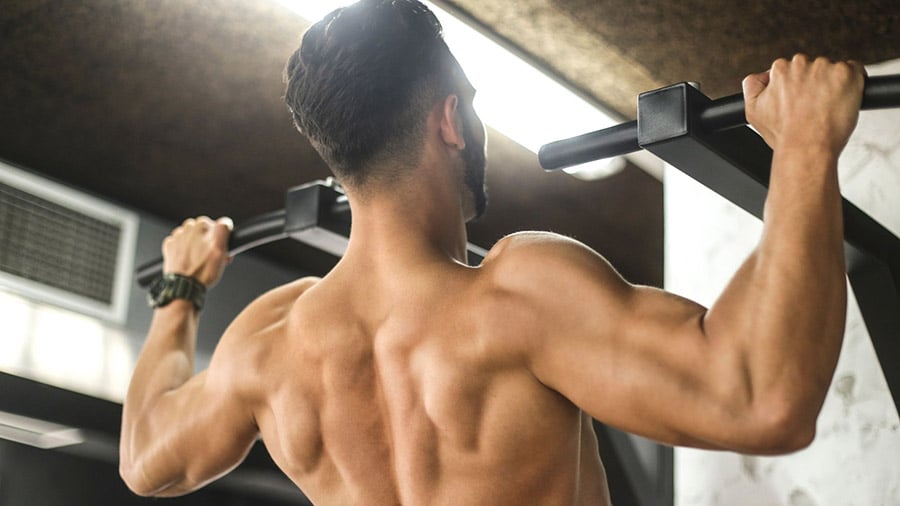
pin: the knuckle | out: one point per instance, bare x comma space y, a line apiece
856, 65
843, 69
845, 66
780, 65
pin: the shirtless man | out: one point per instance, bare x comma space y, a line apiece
406, 377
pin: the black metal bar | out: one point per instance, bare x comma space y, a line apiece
607, 143
735, 164
876, 285
250, 234
881, 92
629, 480
316, 213
724, 113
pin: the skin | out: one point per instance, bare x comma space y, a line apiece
404, 376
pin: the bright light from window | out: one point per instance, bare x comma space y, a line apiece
13, 340
67, 348
515, 98
64, 348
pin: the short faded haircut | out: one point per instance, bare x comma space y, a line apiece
362, 82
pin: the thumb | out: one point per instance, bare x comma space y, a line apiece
754, 84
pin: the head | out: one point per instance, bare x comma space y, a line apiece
362, 85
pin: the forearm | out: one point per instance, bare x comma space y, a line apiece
784, 310
165, 363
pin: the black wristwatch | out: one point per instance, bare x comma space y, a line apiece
169, 287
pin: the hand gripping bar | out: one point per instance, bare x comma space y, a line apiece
881, 92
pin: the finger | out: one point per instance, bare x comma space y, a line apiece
859, 67
166, 243
203, 224
225, 220
754, 84
221, 231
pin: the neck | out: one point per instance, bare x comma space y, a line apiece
417, 221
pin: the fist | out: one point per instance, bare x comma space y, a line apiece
198, 248
805, 103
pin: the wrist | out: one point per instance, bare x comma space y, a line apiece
814, 151
178, 306
178, 312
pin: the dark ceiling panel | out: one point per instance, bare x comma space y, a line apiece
174, 106
718, 42
614, 49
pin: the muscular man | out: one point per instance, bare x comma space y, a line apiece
406, 377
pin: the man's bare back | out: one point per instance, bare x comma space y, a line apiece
404, 376
369, 396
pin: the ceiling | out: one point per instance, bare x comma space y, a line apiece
174, 107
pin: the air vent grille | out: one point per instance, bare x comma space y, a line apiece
64, 247
57, 246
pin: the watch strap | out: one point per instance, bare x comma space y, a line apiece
176, 286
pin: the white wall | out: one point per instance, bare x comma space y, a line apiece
855, 459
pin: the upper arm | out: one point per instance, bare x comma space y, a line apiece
636, 358
204, 428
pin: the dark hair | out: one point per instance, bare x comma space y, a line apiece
361, 84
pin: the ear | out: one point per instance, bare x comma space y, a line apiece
451, 125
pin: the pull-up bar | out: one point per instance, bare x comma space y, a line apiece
881, 92
316, 214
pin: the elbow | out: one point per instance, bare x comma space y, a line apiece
132, 478
135, 476
781, 428
130, 470
138, 482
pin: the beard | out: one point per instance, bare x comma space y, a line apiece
475, 165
